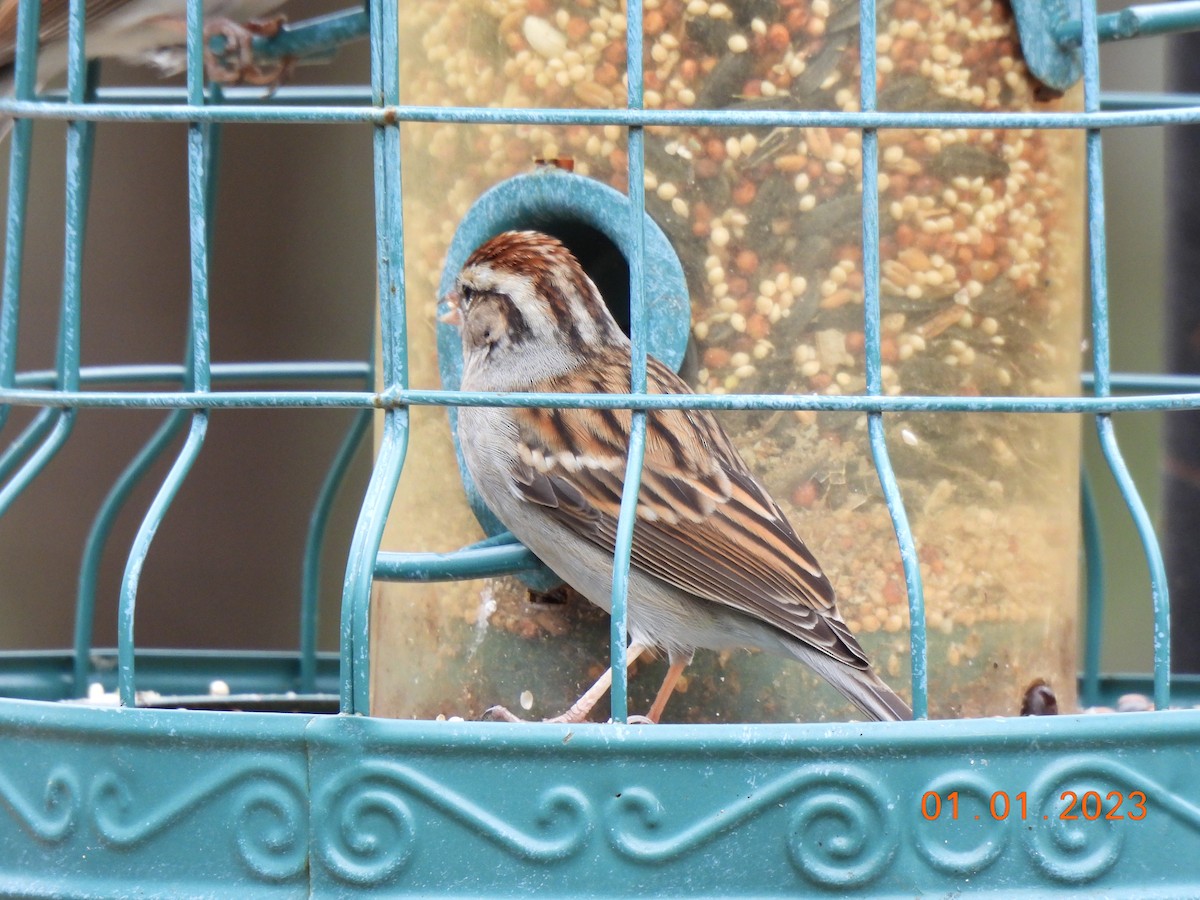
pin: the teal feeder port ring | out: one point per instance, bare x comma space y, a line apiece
1056, 64
592, 219
1051, 33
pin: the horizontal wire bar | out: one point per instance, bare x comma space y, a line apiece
315, 94
460, 565
736, 402
265, 371
354, 370
1132, 382
321, 35
1127, 100
1134, 21
360, 94
717, 118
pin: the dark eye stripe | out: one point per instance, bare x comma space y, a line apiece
518, 329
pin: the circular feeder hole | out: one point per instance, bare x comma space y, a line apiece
601, 259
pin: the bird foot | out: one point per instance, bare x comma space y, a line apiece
235, 64
266, 27
501, 714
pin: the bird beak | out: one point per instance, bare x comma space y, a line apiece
450, 311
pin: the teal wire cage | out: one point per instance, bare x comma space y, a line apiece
292, 788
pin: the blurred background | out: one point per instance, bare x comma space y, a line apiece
293, 278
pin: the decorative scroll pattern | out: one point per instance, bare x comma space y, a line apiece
994, 837
835, 826
365, 830
269, 828
848, 805
1070, 852
1081, 851
58, 815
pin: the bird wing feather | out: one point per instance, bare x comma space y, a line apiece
52, 23
704, 523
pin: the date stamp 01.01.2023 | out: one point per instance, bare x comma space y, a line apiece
1072, 806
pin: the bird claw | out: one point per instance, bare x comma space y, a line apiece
267, 27
501, 714
236, 64
498, 714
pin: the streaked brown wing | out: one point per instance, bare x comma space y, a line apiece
52, 25
705, 524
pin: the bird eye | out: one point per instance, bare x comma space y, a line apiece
466, 294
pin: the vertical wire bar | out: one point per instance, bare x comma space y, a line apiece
1102, 365
52, 427
80, 138
28, 14
874, 386
126, 605
310, 584
197, 375
619, 633
389, 237
1093, 554
122, 489
81, 80
97, 539
212, 156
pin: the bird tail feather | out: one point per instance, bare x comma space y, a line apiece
862, 687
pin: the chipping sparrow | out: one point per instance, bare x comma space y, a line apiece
142, 32
715, 563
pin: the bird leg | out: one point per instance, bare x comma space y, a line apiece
235, 64
667, 688
583, 706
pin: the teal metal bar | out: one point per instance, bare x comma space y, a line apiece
141, 547
627, 518
266, 112
48, 674
221, 372
352, 370
97, 539
30, 437
874, 378
1133, 22
486, 559
302, 94
197, 362
212, 156
119, 493
318, 37
21, 139
122, 489
310, 582
389, 238
1143, 100
360, 566
1093, 555
402, 398
1102, 366
360, 95
50, 430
